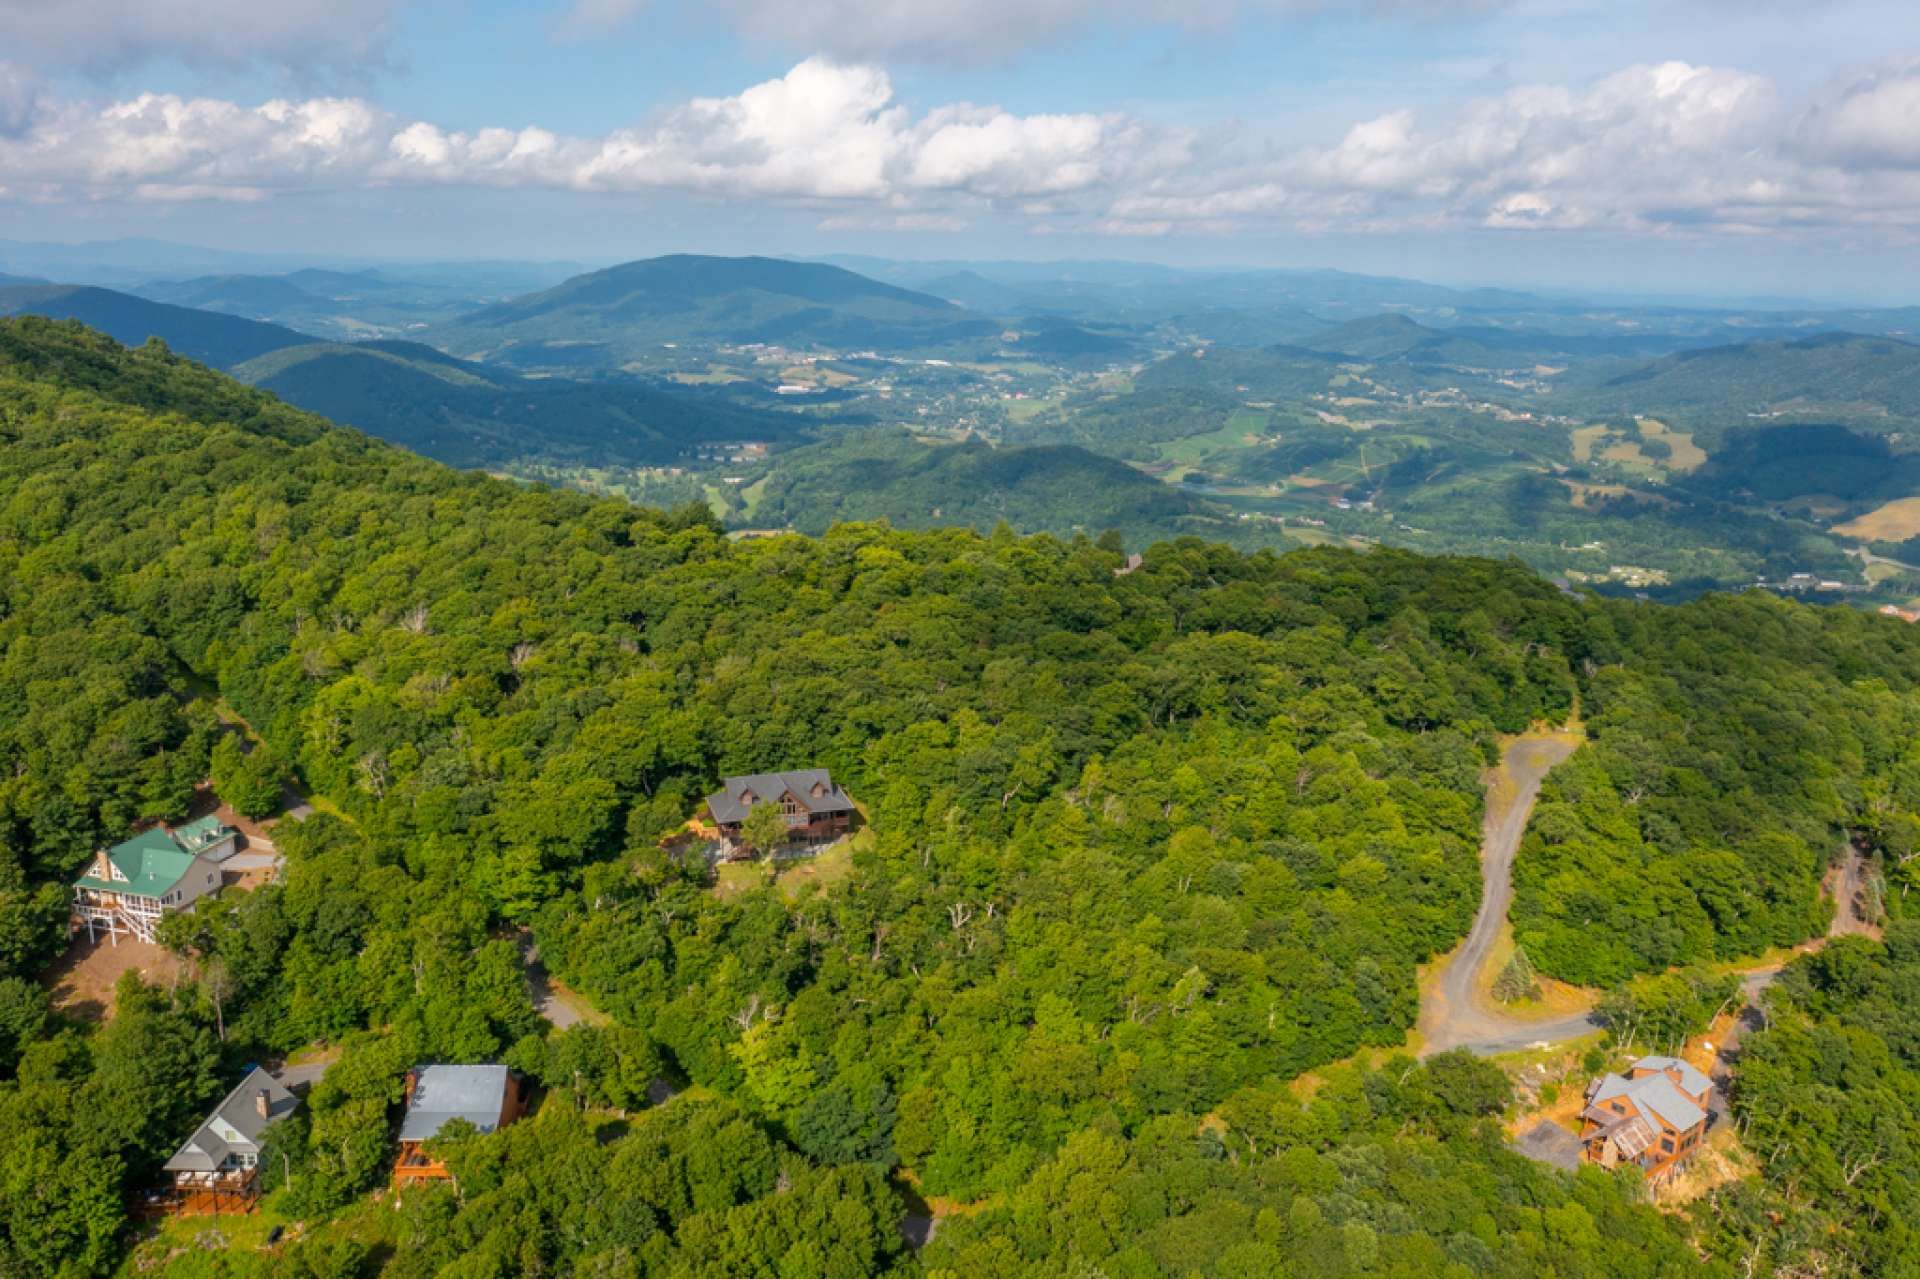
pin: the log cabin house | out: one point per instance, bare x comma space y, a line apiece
217, 1170
1653, 1117
488, 1097
817, 810
127, 888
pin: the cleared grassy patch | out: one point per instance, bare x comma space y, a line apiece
175, 1244
1583, 439
1027, 410
798, 876
1686, 455
1897, 521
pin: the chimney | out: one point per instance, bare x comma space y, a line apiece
263, 1102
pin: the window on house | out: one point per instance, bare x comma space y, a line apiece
1666, 1144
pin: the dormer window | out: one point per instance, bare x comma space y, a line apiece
819, 789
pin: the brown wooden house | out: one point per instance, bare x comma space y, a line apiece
816, 809
1653, 1117
488, 1097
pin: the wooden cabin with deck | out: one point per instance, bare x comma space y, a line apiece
488, 1097
1653, 1117
817, 810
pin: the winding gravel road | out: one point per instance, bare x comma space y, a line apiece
1450, 1014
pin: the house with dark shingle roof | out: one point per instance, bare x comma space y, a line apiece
816, 809
1654, 1116
127, 888
218, 1168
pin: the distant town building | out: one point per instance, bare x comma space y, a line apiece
127, 888
1653, 1117
816, 809
488, 1097
1904, 614
218, 1168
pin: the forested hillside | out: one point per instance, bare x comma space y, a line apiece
1142, 848
467, 414
1829, 1096
887, 474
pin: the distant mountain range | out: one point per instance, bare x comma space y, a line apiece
613, 316
207, 336
446, 408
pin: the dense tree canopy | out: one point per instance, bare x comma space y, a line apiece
1142, 848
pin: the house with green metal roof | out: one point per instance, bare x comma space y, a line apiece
129, 887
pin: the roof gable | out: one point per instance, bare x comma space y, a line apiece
813, 789
1657, 1094
1691, 1081
235, 1125
1653, 1096
149, 863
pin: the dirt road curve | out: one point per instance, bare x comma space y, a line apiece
1450, 1015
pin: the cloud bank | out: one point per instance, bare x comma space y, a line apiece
1662, 149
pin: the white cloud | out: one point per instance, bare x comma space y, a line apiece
111, 35
1875, 121
821, 132
1667, 148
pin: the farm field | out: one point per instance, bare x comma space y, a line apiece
1894, 522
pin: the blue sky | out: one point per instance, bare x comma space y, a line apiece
1715, 146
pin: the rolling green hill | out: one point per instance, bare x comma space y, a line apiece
868, 475
612, 316
470, 415
1834, 375
207, 336
250, 295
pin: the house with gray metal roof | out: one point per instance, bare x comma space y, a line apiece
816, 809
488, 1097
1654, 1116
127, 888
217, 1168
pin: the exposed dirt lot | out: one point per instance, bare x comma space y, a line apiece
82, 980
